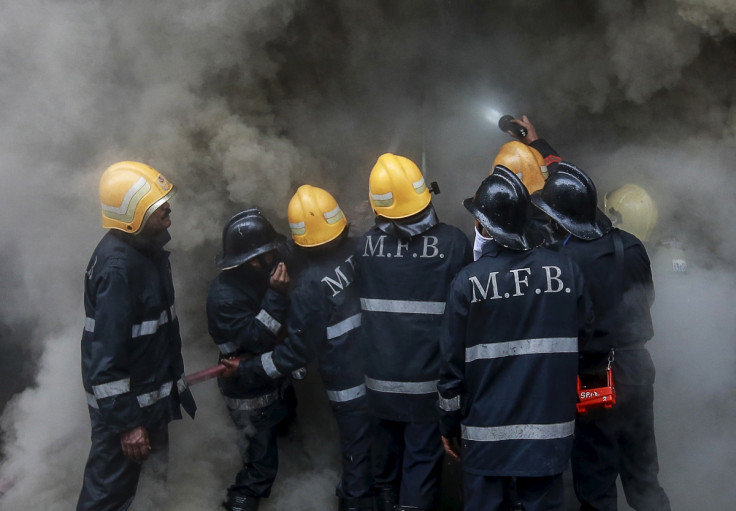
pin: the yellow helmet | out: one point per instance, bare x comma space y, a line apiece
315, 218
524, 161
396, 187
632, 209
129, 192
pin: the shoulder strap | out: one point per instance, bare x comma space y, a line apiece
618, 249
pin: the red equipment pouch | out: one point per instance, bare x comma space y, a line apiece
596, 390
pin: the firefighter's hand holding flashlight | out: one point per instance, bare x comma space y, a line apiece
135, 444
531, 133
451, 447
279, 280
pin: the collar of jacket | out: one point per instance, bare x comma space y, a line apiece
407, 228
143, 244
491, 248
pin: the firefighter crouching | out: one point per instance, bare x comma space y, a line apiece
405, 265
509, 357
323, 323
246, 307
617, 441
132, 368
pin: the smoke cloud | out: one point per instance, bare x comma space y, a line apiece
239, 103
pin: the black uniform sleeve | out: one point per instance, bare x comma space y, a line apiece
247, 324
109, 367
551, 157
305, 338
451, 386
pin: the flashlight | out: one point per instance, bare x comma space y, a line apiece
505, 125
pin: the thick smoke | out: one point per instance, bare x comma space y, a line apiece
238, 103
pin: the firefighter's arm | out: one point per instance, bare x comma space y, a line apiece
451, 385
246, 324
305, 338
551, 157
108, 364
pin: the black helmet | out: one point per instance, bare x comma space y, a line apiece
501, 205
569, 197
245, 236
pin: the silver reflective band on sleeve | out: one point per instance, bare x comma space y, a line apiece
91, 401
519, 432
343, 326
139, 329
404, 306
113, 388
150, 398
402, 387
228, 347
343, 396
450, 405
181, 384
255, 403
269, 367
150, 327
268, 321
522, 347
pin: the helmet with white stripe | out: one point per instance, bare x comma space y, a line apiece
315, 218
396, 187
129, 192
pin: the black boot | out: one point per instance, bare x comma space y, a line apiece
238, 502
387, 497
361, 504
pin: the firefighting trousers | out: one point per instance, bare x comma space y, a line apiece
258, 432
487, 493
355, 450
618, 442
408, 456
110, 479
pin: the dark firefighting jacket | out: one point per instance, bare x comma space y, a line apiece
405, 270
551, 157
622, 295
245, 317
323, 323
132, 368
509, 344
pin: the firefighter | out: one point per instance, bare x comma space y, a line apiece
405, 264
246, 308
618, 441
532, 159
632, 209
509, 357
323, 323
132, 368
